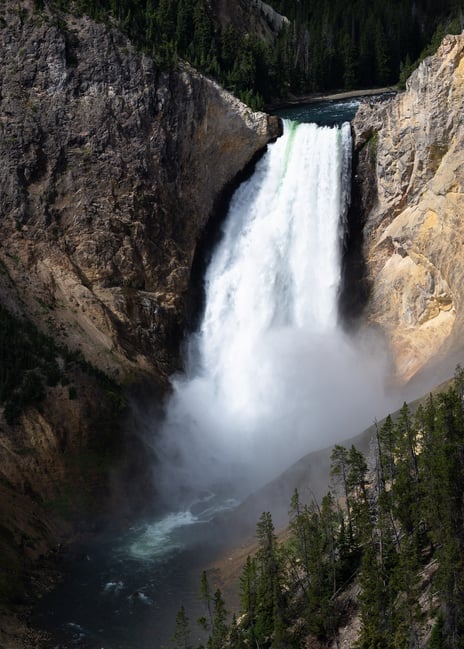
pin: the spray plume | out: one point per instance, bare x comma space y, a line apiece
270, 375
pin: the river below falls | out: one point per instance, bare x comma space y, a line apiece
123, 591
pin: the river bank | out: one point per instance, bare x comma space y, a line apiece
315, 98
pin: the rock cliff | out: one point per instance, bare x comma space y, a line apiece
262, 20
110, 171
410, 185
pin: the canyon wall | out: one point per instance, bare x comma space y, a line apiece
409, 184
256, 17
111, 168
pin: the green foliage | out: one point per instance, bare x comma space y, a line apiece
32, 361
186, 29
29, 364
219, 631
236, 636
206, 598
249, 596
364, 43
181, 635
437, 641
325, 46
408, 66
419, 514
270, 594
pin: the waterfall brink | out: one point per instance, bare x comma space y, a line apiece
267, 371
278, 264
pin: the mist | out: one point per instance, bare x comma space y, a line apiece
270, 375
299, 394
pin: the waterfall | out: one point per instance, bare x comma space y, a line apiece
267, 372
278, 264
269, 376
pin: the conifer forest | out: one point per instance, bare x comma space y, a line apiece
385, 545
391, 526
323, 46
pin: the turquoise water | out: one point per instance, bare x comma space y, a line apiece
123, 591
326, 113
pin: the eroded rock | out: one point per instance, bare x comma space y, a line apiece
411, 149
110, 170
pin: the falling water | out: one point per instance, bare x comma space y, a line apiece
269, 364
269, 377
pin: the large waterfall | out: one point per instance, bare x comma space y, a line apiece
269, 377
269, 374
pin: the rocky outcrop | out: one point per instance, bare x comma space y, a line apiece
110, 170
410, 176
262, 20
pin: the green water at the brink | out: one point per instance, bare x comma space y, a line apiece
292, 127
326, 113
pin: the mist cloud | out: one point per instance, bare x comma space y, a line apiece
298, 392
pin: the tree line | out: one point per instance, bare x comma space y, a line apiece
346, 44
392, 524
330, 45
171, 30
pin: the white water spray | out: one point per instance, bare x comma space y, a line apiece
270, 375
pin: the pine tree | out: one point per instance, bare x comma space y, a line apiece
339, 471
184, 25
377, 595
249, 595
229, 43
219, 630
299, 531
236, 639
350, 64
271, 601
405, 490
206, 598
406, 581
382, 56
203, 33
166, 16
450, 465
181, 636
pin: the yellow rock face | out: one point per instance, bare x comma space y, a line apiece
414, 232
